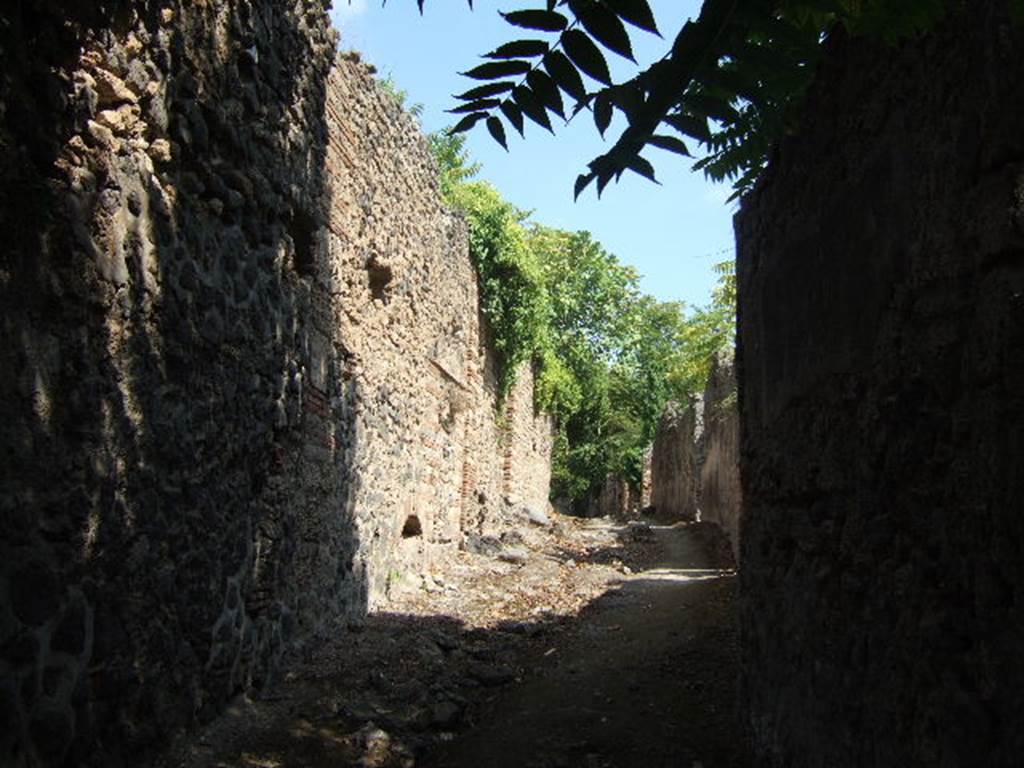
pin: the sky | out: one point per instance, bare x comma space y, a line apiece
671, 233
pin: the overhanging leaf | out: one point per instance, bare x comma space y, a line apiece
476, 106
497, 130
483, 91
636, 12
586, 55
582, 181
532, 106
643, 167
519, 48
564, 73
697, 127
513, 114
547, 21
603, 109
546, 91
604, 25
670, 143
496, 69
467, 122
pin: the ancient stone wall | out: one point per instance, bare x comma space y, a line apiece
245, 376
429, 457
527, 447
881, 361
615, 499
645, 482
673, 485
173, 493
718, 474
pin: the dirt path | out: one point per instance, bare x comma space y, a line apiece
606, 646
645, 679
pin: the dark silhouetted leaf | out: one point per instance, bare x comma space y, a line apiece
496, 69
709, 106
483, 91
604, 26
603, 109
642, 166
582, 181
519, 48
467, 122
513, 114
586, 55
636, 12
532, 106
629, 98
564, 73
671, 143
476, 106
497, 131
548, 21
697, 127
546, 91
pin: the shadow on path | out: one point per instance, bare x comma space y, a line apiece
645, 678
644, 675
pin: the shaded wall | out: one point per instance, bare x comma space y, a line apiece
243, 350
673, 476
718, 452
172, 505
881, 359
616, 499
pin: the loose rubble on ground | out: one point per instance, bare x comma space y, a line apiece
379, 693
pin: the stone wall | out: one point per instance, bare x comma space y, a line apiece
527, 442
881, 360
245, 376
673, 484
428, 459
615, 499
718, 494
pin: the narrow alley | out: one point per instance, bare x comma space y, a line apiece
586, 643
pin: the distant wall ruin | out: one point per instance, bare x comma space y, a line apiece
881, 360
718, 454
245, 374
673, 468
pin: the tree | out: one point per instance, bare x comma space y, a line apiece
607, 358
732, 80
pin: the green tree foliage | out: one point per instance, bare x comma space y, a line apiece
512, 289
732, 81
607, 358
400, 96
449, 150
708, 330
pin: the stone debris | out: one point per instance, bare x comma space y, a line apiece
536, 516
420, 667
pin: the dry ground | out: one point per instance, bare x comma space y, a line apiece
596, 644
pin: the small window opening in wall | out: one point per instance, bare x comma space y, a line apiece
412, 527
302, 229
380, 277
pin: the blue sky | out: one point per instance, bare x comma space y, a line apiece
671, 233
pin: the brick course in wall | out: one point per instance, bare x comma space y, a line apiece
243, 349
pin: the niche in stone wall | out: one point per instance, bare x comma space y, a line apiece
302, 228
412, 527
380, 276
